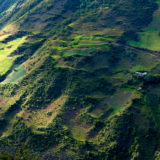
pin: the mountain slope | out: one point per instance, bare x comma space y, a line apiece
71, 86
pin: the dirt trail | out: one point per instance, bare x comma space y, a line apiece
136, 49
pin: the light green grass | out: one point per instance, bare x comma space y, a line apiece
5, 51
150, 38
16, 75
138, 68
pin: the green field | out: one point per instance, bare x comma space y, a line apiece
5, 50
16, 75
150, 38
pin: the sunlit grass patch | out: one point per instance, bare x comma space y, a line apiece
79, 131
5, 50
16, 75
42, 118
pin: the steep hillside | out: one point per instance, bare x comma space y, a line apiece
78, 79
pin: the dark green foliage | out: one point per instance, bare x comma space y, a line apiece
8, 89
5, 156
152, 100
13, 109
20, 132
117, 145
116, 54
54, 134
44, 94
72, 4
150, 80
3, 123
128, 35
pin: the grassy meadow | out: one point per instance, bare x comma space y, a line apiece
6, 49
150, 37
